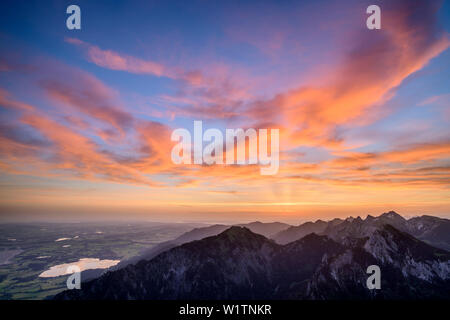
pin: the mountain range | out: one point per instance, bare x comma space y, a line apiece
324, 260
433, 230
266, 229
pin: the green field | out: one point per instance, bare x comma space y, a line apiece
36, 250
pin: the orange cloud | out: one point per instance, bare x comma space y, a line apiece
115, 61
410, 155
84, 93
7, 102
77, 154
366, 78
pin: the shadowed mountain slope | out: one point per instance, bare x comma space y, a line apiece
239, 264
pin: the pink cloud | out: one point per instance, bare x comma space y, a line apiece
113, 60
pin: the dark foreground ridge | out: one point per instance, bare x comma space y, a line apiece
239, 264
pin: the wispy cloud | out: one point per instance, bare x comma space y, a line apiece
365, 80
113, 60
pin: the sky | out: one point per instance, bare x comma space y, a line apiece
86, 115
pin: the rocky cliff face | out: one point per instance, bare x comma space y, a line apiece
410, 269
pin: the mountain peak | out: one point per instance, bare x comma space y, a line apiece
237, 233
313, 237
254, 222
392, 215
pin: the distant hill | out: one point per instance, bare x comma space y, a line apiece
294, 233
267, 229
